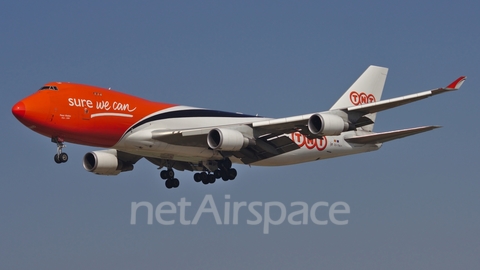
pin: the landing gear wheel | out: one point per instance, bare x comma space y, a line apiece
175, 182
163, 175
172, 183
63, 157
169, 184
204, 178
197, 177
227, 163
224, 175
232, 173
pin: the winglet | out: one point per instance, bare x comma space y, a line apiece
455, 85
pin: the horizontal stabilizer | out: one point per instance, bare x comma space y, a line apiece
388, 136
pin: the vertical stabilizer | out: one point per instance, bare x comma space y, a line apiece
367, 88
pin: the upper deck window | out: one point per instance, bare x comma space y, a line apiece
48, 87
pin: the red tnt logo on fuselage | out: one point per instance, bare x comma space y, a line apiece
301, 140
361, 98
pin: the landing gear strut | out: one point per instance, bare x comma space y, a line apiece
168, 175
60, 157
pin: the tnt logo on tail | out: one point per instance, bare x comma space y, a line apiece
361, 98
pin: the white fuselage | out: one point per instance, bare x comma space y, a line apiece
139, 141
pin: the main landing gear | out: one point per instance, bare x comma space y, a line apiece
224, 171
168, 175
60, 157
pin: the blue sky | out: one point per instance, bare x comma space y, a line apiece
414, 203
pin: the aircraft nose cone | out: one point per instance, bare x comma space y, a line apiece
18, 110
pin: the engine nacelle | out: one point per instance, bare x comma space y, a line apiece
105, 162
326, 124
226, 139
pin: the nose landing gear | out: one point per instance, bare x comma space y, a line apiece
60, 157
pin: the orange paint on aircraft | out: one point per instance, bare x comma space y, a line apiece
83, 114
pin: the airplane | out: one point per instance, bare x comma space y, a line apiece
206, 141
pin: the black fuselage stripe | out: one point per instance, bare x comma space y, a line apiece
190, 113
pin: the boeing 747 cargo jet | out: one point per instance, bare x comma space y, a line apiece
203, 140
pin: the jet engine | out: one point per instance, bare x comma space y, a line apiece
105, 162
226, 139
326, 124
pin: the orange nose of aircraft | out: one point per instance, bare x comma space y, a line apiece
18, 110
32, 111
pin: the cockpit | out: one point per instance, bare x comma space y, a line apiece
48, 87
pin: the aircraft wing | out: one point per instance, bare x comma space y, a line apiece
299, 123
395, 102
282, 125
268, 137
262, 148
388, 136
189, 137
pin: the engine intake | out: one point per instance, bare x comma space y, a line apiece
326, 124
226, 139
105, 162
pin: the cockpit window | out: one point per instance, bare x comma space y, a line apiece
49, 87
